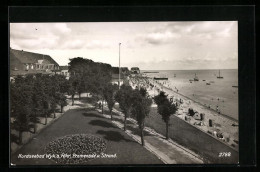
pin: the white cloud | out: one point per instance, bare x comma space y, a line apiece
97, 44
160, 38
148, 44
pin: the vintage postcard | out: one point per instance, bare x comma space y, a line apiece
105, 93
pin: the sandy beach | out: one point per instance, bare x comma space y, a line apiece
218, 94
224, 128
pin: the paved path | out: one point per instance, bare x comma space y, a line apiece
168, 151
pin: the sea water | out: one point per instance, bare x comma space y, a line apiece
219, 95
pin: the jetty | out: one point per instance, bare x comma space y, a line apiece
160, 78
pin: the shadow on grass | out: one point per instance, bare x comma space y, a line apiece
113, 113
14, 138
118, 120
136, 130
91, 114
113, 136
101, 123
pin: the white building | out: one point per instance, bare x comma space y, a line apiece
65, 71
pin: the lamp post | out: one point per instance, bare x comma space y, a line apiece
119, 67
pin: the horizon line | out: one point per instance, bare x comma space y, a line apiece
187, 69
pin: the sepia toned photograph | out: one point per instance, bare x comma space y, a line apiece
123, 93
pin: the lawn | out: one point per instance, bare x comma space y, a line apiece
80, 121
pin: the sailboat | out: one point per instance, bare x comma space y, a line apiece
219, 77
196, 78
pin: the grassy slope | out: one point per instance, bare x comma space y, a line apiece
191, 138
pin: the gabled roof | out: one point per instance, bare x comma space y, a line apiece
64, 67
30, 57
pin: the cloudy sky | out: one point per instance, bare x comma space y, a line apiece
148, 45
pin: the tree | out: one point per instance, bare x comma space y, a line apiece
21, 105
62, 102
54, 93
72, 89
165, 108
81, 87
53, 105
64, 86
124, 98
50, 89
38, 98
140, 109
109, 95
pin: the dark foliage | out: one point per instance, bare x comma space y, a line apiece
140, 108
165, 108
32, 96
124, 98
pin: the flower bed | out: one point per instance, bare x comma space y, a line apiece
75, 149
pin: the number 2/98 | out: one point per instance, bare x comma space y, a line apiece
224, 154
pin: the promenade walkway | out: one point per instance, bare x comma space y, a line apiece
167, 150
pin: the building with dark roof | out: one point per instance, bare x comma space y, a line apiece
24, 62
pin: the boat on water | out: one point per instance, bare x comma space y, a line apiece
196, 78
203, 80
219, 77
160, 78
207, 83
235, 86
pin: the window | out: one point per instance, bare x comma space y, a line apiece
31, 66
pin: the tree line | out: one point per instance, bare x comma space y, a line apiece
95, 78
34, 96
138, 103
